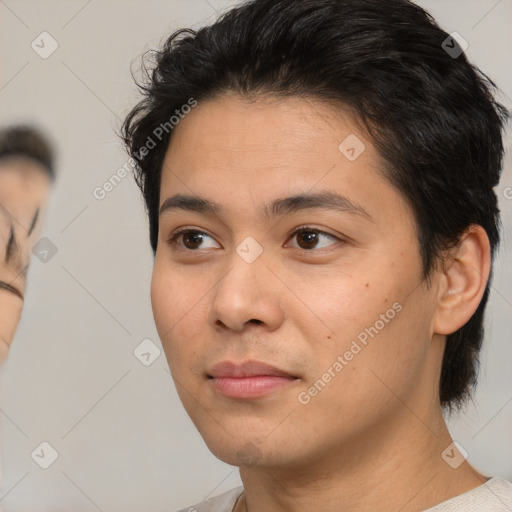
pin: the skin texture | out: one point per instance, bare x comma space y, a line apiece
24, 188
373, 436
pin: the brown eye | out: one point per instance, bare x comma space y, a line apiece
191, 239
309, 238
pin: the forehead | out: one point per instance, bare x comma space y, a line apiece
24, 186
247, 152
287, 129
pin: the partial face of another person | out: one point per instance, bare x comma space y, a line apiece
296, 255
24, 188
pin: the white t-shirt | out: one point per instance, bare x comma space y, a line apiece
495, 495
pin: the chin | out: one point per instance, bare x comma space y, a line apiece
251, 450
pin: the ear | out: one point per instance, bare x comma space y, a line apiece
463, 281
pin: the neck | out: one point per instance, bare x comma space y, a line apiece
397, 467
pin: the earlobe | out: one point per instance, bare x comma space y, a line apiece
463, 281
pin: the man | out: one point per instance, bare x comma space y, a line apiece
26, 172
318, 176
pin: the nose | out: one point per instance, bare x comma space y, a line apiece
248, 294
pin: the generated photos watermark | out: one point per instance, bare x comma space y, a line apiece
158, 134
357, 345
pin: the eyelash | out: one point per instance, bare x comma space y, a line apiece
173, 240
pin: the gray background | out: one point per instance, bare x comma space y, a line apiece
123, 440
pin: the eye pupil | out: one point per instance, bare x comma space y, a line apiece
310, 238
192, 240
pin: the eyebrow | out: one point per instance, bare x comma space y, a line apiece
13, 246
325, 200
34, 222
13, 252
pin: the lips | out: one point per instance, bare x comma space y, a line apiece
247, 369
251, 379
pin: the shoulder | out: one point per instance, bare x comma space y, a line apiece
223, 503
495, 495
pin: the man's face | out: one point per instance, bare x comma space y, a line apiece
345, 289
24, 187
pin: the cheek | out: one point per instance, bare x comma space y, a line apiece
341, 306
172, 295
380, 356
10, 313
179, 311
375, 321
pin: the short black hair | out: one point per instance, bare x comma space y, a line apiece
28, 142
430, 113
